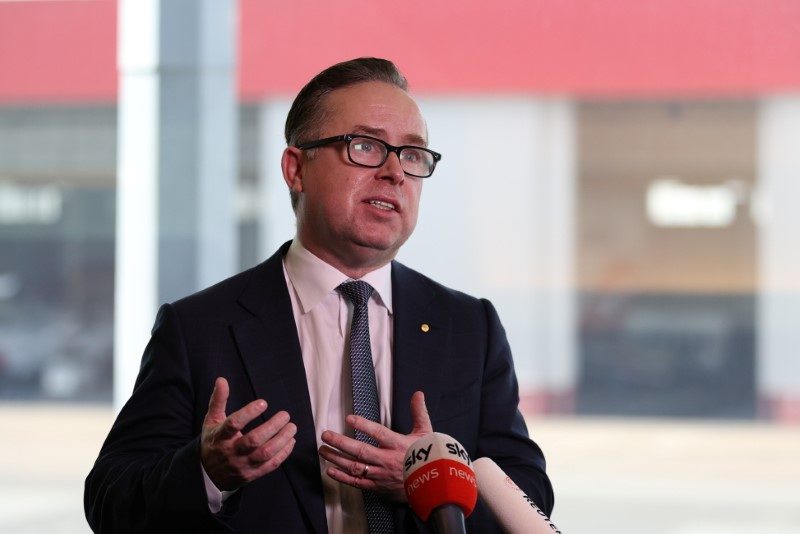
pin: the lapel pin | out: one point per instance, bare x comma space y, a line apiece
424, 327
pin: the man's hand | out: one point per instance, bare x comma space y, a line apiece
231, 458
379, 468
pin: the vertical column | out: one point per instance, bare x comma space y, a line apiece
497, 220
778, 323
176, 162
555, 298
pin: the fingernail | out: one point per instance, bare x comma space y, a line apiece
262, 404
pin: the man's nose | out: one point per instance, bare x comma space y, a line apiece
392, 170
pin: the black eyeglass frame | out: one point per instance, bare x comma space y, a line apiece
347, 138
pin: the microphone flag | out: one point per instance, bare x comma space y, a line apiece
438, 471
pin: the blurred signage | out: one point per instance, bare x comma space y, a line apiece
30, 204
673, 203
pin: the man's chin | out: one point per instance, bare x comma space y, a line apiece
375, 249
381, 241
381, 238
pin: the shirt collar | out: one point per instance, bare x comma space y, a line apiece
313, 279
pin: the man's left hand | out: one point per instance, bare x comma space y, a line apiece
378, 468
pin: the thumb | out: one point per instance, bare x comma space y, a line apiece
419, 414
218, 401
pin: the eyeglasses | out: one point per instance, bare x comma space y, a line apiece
369, 151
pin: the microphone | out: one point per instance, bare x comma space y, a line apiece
440, 483
515, 511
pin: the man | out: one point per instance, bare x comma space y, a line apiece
241, 417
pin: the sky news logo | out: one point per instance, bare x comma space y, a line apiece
420, 455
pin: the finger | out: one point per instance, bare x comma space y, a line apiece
338, 458
419, 414
264, 433
236, 421
272, 446
384, 436
259, 435
358, 450
350, 480
217, 401
348, 464
275, 461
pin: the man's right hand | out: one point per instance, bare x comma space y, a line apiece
232, 459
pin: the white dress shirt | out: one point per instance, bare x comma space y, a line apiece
323, 319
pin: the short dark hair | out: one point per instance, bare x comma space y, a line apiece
307, 114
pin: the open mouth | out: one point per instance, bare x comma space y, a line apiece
380, 204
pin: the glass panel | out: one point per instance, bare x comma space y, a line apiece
57, 212
666, 258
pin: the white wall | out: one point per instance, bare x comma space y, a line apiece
778, 220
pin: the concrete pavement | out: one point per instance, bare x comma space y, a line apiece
611, 475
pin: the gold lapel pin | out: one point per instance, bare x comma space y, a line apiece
424, 327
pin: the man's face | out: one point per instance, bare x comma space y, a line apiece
343, 215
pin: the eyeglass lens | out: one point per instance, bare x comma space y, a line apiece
373, 153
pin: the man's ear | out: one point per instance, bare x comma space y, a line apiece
292, 167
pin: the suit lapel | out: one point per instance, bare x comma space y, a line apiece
419, 351
270, 351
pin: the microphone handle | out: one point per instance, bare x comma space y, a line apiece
448, 519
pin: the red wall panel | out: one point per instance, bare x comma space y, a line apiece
66, 50
58, 51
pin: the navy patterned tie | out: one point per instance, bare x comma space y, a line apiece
365, 392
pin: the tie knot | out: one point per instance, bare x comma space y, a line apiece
357, 292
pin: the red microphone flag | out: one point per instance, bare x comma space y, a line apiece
438, 471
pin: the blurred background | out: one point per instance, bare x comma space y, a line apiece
619, 177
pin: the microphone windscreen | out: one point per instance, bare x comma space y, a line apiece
437, 471
515, 511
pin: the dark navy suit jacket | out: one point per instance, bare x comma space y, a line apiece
147, 477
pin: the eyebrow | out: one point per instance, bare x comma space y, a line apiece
380, 132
